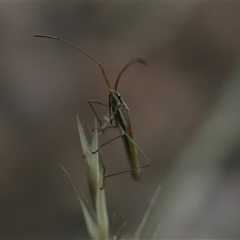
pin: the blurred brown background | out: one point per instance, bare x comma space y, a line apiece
192, 51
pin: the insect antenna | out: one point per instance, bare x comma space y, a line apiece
135, 60
82, 51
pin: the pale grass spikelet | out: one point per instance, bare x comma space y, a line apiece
97, 223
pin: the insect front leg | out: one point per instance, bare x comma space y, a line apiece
104, 127
106, 120
92, 107
103, 123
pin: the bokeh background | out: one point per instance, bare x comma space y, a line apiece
184, 109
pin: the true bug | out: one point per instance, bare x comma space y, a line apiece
118, 111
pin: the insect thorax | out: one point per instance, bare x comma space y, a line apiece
119, 109
116, 101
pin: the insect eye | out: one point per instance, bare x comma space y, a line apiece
118, 95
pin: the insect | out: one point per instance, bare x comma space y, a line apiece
118, 112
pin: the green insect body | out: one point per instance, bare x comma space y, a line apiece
118, 112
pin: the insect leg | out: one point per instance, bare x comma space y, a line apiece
107, 143
138, 148
91, 105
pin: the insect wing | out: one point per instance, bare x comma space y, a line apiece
132, 153
121, 116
